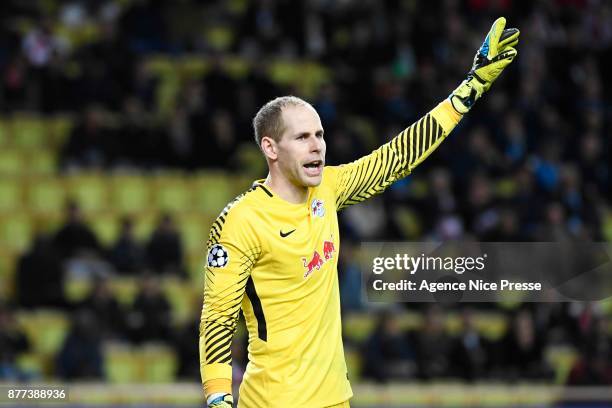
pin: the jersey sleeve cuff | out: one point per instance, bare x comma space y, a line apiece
446, 116
216, 371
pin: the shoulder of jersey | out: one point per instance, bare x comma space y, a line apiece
239, 209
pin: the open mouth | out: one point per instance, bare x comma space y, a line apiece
314, 164
314, 167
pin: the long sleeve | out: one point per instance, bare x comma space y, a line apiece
372, 174
232, 252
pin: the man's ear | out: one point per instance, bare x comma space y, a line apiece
269, 147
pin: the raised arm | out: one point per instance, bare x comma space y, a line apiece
372, 174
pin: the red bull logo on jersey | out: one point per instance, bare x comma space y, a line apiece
328, 250
317, 260
316, 208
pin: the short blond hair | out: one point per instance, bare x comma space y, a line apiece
269, 120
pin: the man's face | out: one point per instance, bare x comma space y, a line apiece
301, 149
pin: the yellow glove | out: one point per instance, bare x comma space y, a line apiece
496, 53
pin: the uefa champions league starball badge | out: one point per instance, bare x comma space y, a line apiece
217, 256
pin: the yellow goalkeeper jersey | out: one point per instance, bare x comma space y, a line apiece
277, 261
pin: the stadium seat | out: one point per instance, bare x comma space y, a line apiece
11, 195
195, 266
194, 230
42, 162
46, 195
121, 364
33, 364
145, 223
4, 133
130, 194
125, 289
16, 231
237, 68
357, 326
491, 325
29, 132
59, 128
219, 38
353, 363
8, 264
182, 296
45, 329
172, 194
13, 162
410, 320
212, 192
168, 88
561, 358
194, 67
607, 227
407, 222
153, 363
90, 191
159, 364
106, 227
249, 159
76, 290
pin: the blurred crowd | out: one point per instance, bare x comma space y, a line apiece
394, 354
529, 163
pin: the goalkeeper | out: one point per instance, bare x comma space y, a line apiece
278, 245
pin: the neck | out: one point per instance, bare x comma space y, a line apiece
286, 189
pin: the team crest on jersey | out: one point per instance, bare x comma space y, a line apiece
218, 256
316, 208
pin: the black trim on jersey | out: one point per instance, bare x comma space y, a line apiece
264, 189
262, 330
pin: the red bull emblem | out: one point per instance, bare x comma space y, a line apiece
328, 250
317, 261
316, 208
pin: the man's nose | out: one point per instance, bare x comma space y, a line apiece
316, 144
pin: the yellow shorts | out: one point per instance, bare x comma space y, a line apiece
344, 404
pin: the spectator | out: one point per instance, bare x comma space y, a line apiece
40, 276
75, 237
387, 353
149, 317
521, 350
350, 277
12, 343
89, 144
432, 346
469, 351
187, 350
80, 357
105, 311
164, 250
593, 367
40, 45
126, 254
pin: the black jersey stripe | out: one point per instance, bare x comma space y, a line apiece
262, 329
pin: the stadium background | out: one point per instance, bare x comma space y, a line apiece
125, 129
